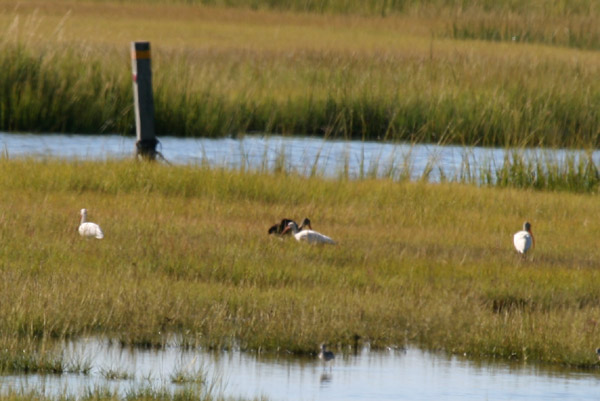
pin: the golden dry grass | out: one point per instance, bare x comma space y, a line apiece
186, 251
221, 71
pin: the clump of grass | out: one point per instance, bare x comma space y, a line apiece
576, 173
103, 393
23, 354
185, 375
116, 374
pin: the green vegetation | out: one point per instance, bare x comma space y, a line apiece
222, 71
186, 251
576, 173
542, 8
106, 394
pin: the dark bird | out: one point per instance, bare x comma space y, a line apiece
280, 228
326, 355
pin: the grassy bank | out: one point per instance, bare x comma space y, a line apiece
186, 251
221, 71
105, 394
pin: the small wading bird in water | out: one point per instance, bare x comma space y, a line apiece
87, 229
310, 236
325, 355
524, 240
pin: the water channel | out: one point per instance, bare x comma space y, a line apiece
397, 374
303, 155
400, 374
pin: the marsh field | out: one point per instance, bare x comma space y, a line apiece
186, 248
471, 72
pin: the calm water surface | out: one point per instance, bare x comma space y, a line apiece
303, 155
394, 375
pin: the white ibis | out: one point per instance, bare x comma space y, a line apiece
87, 229
524, 240
325, 355
310, 236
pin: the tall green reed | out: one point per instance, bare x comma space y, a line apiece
62, 92
390, 7
428, 95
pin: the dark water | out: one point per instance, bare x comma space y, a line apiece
399, 374
302, 155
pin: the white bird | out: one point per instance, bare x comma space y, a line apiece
87, 229
524, 240
326, 355
310, 236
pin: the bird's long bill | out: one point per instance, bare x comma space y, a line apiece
309, 226
285, 231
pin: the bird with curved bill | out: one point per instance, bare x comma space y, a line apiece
524, 240
310, 236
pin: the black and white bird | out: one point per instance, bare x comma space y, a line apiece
280, 228
310, 236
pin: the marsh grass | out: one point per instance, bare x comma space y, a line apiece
566, 28
22, 353
100, 393
400, 81
186, 251
189, 375
576, 173
116, 374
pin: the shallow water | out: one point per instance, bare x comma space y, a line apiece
404, 374
299, 154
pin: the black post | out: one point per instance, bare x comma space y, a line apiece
144, 101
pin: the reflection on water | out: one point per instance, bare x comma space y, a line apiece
394, 375
303, 155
